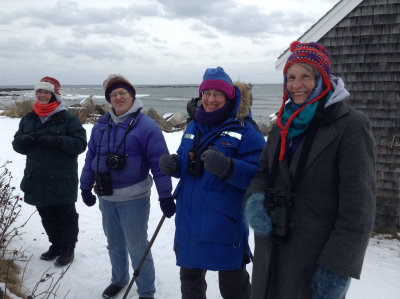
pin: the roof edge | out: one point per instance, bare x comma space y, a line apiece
321, 27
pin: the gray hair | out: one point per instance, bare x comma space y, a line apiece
312, 69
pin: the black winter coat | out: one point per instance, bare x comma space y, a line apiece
51, 173
333, 211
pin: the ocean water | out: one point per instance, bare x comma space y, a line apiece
164, 99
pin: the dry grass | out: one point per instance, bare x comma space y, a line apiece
9, 273
387, 233
20, 109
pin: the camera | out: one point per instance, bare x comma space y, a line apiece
195, 165
116, 161
277, 209
103, 184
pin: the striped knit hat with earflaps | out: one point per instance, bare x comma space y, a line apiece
312, 54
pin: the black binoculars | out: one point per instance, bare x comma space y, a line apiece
277, 209
195, 165
103, 184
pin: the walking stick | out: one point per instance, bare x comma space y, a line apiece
146, 252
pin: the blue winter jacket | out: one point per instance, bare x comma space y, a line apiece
211, 232
144, 144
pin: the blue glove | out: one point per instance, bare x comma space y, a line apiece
216, 162
168, 206
329, 285
88, 198
256, 215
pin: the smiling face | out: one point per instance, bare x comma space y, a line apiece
121, 101
43, 96
300, 82
213, 99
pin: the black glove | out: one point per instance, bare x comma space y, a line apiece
192, 106
168, 163
216, 162
27, 140
49, 140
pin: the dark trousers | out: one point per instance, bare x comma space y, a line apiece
60, 223
233, 284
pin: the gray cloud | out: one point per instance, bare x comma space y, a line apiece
136, 37
66, 13
245, 20
194, 8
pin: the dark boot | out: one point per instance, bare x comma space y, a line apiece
52, 253
112, 291
66, 256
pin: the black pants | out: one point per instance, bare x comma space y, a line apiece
233, 284
60, 223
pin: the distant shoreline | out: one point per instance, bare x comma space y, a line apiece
14, 89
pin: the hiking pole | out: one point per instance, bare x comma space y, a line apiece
146, 252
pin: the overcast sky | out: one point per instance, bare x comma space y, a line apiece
149, 41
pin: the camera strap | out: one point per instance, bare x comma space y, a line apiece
128, 128
309, 138
98, 151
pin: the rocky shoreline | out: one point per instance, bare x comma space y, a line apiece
4, 92
88, 111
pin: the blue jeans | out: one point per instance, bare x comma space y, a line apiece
125, 226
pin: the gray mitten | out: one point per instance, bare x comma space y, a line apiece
168, 163
256, 215
327, 284
216, 162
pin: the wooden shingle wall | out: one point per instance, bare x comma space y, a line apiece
365, 52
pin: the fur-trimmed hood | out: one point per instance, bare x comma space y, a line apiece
243, 99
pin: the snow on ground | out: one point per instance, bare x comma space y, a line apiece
89, 274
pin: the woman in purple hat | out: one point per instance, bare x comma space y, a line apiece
312, 202
217, 158
124, 146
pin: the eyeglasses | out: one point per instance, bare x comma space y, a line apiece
45, 92
206, 94
120, 93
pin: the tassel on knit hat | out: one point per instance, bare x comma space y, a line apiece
50, 84
312, 54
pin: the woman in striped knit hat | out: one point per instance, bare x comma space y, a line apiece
312, 201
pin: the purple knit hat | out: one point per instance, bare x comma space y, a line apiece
114, 81
219, 80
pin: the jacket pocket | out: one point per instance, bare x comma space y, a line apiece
227, 144
177, 191
60, 183
26, 183
222, 219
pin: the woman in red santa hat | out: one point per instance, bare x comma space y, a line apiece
52, 138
